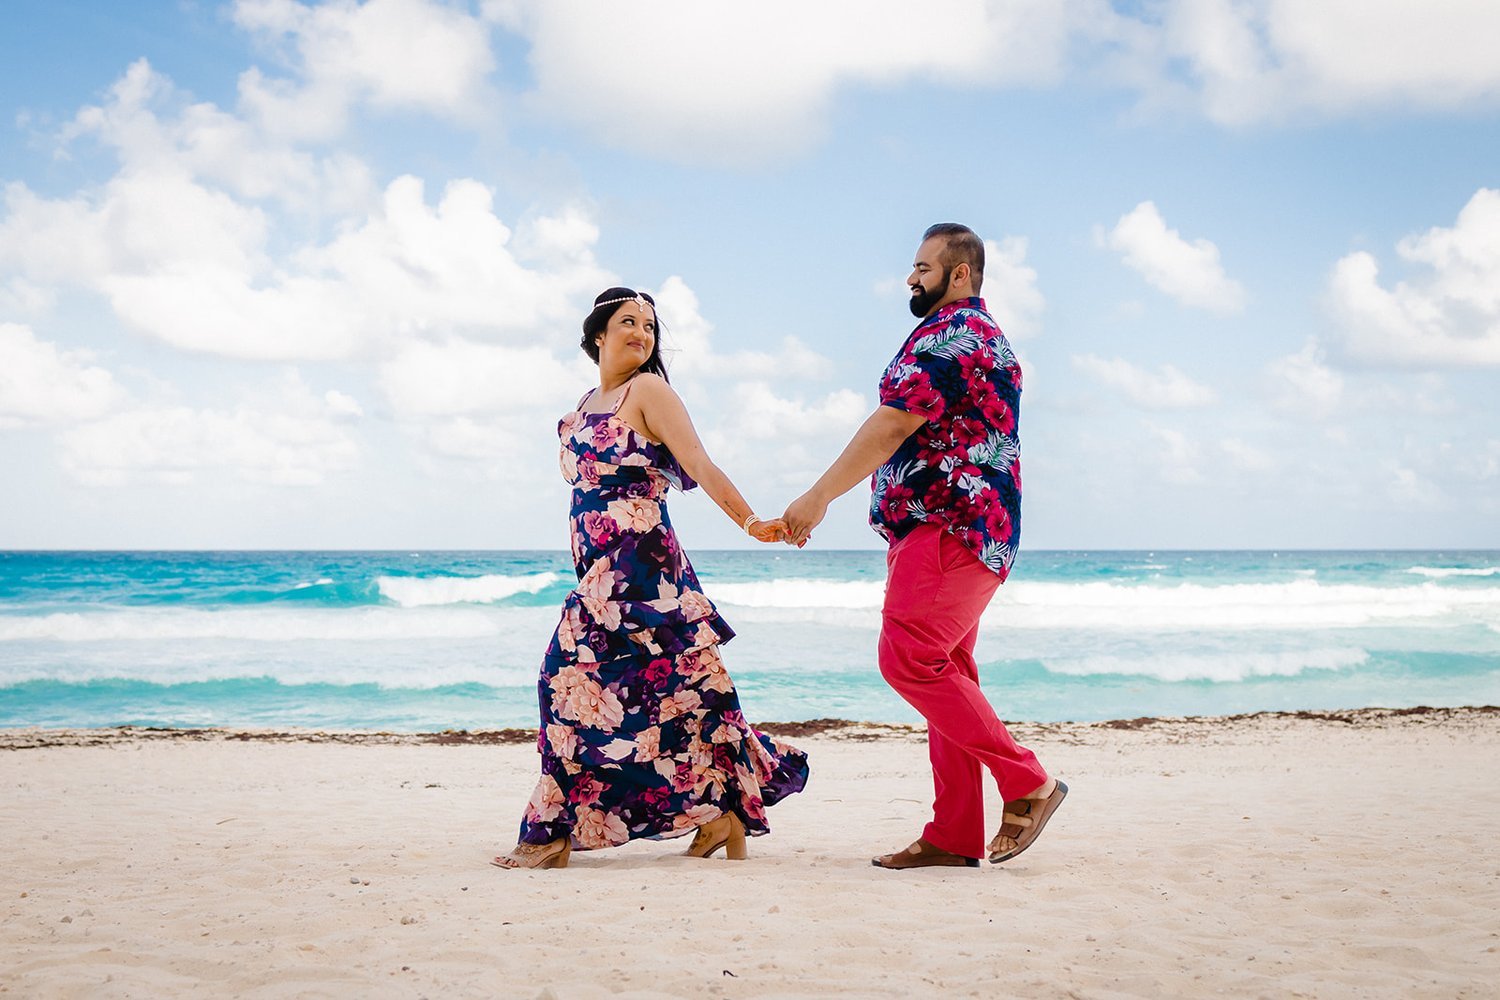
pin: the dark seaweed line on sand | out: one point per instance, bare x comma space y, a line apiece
842, 729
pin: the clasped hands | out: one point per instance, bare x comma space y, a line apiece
795, 525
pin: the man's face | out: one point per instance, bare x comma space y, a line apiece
928, 280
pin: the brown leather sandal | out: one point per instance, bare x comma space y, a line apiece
1022, 823
923, 855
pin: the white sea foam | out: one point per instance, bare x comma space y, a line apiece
835, 620
798, 594
1301, 603
320, 582
463, 608
389, 673
257, 624
1222, 667
1440, 572
425, 591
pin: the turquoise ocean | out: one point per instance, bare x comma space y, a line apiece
413, 641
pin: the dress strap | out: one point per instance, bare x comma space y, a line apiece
584, 399
621, 400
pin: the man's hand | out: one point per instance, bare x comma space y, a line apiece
768, 531
803, 515
876, 441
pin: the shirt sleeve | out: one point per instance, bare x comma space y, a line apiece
915, 383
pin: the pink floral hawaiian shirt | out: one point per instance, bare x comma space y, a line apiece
961, 470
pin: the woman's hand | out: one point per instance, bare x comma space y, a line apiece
773, 530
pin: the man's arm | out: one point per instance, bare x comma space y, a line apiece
875, 441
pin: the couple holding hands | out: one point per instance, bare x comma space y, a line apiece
641, 729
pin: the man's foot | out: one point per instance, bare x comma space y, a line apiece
553, 854
1024, 819
923, 855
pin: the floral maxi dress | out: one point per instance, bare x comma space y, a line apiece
641, 729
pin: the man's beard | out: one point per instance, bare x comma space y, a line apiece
922, 300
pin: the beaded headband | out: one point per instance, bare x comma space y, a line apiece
639, 299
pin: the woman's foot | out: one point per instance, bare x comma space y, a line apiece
553, 854
727, 832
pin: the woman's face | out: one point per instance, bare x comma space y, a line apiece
629, 337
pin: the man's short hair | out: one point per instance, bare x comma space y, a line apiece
961, 245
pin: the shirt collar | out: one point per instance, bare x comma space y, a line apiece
942, 315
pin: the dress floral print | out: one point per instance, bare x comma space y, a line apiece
641, 730
961, 470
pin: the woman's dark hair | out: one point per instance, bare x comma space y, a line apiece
595, 322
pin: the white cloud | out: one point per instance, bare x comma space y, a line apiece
465, 439
139, 223
737, 85
767, 416
19, 297
690, 348
1178, 458
562, 238
1409, 489
1010, 289
1270, 60
1189, 272
776, 441
300, 439
189, 266
1246, 456
1168, 389
341, 404
464, 377
394, 54
40, 384
734, 84
157, 130
1448, 315
1302, 384
1481, 464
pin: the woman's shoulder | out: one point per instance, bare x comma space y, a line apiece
651, 385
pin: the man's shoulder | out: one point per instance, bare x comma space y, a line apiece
953, 328
975, 317
967, 314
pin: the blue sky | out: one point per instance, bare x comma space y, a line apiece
281, 274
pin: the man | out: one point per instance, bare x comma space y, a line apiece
944, 449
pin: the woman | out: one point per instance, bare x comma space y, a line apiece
642, 734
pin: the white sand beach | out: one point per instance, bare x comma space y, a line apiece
1273, 855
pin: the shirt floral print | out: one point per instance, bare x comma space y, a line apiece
961, 470
641, 730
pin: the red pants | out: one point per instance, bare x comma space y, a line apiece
936, 589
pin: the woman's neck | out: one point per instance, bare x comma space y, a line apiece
612, 379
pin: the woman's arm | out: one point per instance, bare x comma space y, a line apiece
664, 418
